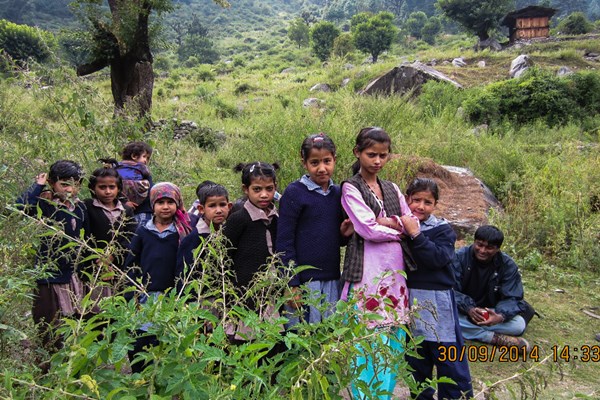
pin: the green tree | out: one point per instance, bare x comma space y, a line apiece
432, 27
575, 24
322, 36
415, 23
479, 17
298, 32
22, 42
121, 39
196, 43
373, 34
343, 44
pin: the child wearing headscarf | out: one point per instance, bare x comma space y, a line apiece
153, 253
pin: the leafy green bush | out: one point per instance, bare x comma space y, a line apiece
575, 24
22, 42
537, 95
205, 73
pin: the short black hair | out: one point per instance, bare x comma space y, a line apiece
490, 234
208, 189
423, 185
135, 149
64, 170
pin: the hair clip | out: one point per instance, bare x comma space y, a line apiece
252, 168
318, 139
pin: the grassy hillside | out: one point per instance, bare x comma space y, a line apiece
546, 177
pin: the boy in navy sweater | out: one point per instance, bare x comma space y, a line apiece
213, 208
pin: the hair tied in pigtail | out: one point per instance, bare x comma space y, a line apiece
319, 138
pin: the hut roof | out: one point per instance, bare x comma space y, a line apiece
527, 12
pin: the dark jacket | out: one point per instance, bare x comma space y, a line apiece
505, 289
102, 232
55, 252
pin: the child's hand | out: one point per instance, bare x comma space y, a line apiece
41, 179
131, 204
106, 264
389, 223
411, 226
347, 228
294, 302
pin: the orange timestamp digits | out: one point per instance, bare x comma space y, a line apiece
485, 353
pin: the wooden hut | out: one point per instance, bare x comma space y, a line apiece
529, 23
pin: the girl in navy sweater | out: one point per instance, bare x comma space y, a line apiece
432, 244
154, 252
308, 231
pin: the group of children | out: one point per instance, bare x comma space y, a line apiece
313, 220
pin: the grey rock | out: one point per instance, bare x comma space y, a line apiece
481, 64
345, 82
406, 78
312, 102
320, 87
519, 65
459, 62
564, 71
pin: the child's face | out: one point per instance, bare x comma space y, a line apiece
260, 192
164, 210
106, 190
215, 210
320, 164
373, 158
65, 188
143, 158
421, 204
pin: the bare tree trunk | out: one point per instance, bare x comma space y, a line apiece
132, 82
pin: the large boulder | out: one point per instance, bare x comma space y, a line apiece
406, 78
519, 65
465, 201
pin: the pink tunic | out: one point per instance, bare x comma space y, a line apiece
382, 290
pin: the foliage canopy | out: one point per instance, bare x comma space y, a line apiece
476, 16
322, 36
373, 34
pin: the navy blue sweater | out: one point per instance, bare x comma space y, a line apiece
61, 263
185, 256
433, 251
155, 257
308, 232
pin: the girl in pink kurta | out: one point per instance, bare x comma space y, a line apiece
373, 264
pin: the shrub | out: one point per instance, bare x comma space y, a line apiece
22, 42
239, 61
163, 62
537, 95
575, 24
342, 45
205, 73
242, 88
